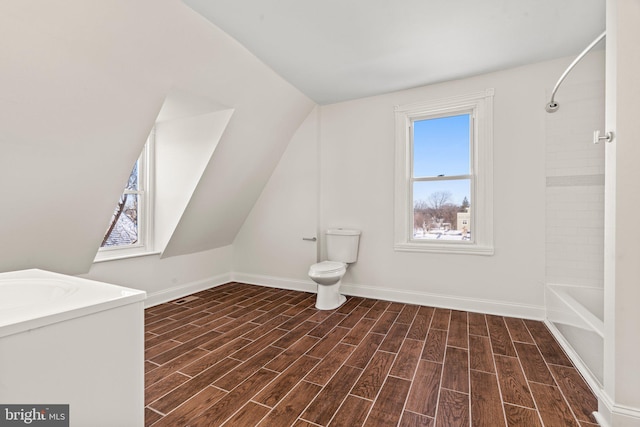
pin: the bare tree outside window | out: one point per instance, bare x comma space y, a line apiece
123, 229
437, 215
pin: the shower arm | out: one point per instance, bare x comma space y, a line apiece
553, 106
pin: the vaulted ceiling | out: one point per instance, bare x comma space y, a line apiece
334, 50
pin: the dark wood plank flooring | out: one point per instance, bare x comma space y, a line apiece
245, 355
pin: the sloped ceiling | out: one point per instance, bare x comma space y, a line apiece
73, 119
334, 50
81, 85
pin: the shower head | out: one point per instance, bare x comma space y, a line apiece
552, 107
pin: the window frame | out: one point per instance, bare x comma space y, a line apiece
480, 106
145, 219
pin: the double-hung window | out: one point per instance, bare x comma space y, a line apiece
130, 230
443, 182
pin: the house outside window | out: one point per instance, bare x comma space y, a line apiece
443, 179
130, 230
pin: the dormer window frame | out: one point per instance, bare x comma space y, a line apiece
145, 215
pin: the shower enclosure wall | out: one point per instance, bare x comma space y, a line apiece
574, 219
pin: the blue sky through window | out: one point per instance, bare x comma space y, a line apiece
441, 147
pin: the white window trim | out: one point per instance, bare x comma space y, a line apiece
146, 226
481, 106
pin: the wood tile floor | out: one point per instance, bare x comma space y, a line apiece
244, 355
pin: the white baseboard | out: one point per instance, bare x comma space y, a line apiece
156, 298
602, 422
275, 282
611, 414
499, 308
409, 297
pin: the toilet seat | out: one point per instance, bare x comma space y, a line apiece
326, 267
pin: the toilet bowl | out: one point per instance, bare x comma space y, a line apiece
328, 276
342, 250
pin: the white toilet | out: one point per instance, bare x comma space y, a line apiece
342, 249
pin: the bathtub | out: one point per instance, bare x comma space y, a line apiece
31, 299
578, 306
576, 316
71, 341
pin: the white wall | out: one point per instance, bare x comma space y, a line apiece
356, 157
269, 247
166, 279
81, 85
575, 186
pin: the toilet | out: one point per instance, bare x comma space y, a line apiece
342, 250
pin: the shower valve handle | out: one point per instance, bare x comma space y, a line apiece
597, 138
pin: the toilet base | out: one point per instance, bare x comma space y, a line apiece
329, 297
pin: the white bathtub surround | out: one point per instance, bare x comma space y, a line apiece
574, 196
575, 315
574, 230
67, 340
585, 306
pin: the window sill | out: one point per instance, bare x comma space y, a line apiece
116, 255
469, 249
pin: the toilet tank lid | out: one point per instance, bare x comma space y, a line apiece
343, 232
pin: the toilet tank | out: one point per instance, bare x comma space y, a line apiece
342, 244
